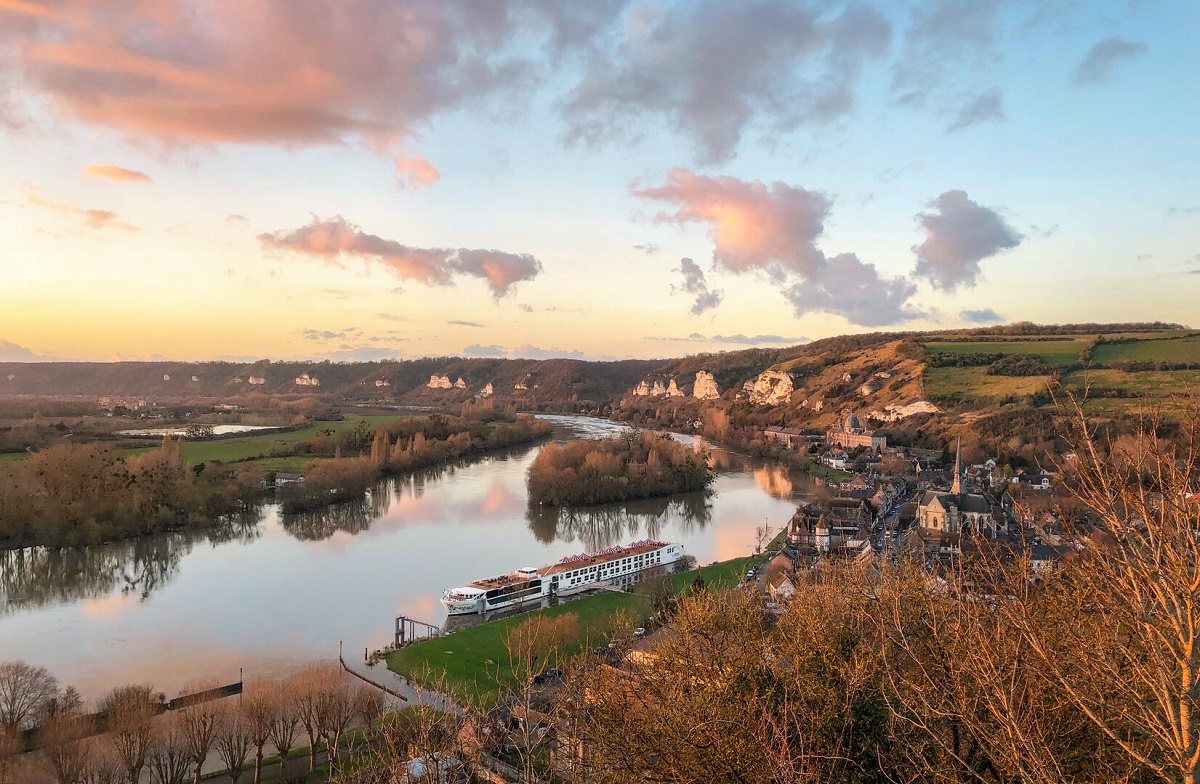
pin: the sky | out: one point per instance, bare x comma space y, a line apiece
359, 179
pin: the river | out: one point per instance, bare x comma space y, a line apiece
266, 595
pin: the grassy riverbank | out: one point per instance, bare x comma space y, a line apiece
462, 659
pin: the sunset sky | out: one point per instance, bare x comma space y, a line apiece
353, 179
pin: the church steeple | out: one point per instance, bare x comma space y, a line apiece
956, 488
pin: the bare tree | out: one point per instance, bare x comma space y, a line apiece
12, 743
26, 693
307, 688
284, 727
259, 707
63, 740
1129, 660
371, 706
337, 709
198, 726
532, 647
104, 766
128, 711
232, 741
169, 755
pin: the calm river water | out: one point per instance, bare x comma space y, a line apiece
276, 592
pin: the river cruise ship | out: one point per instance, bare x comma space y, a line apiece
619, 566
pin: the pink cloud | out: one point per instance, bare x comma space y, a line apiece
753, 226
416, 172
109, 172
96, 219
774, 229
263, 72
334, 238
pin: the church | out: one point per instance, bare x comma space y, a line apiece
956, 512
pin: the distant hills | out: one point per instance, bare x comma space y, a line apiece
950, 368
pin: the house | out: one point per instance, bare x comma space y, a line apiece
790, 437
283, 479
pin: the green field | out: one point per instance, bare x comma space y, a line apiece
1167, 390
462, 657
973, 383
1179, 350
230, 450
1054, 352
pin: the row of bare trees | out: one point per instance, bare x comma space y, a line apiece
132, 737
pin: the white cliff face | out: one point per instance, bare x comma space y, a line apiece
895, 412
460, 384
381, 382
705, 387
439, 382
256, 381
642, 389
673, 390
771, 387
658, 390
488, 391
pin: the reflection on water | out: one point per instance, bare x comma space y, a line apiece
38, 577
598, 527
169, 609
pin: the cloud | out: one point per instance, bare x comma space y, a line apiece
416, 172
854, 290
527, 351
334, 238
754, 340
985, 107
944, 36
649, 248
525, 308
958, 237
1104, 57
477, 350
1174, 211
712, 69
327, 334
92, 218
235, 218
982, 316
774, 230
117, 173
356, 353
12, 352
694, 283
272, 72
459, 323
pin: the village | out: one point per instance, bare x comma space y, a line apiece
905, 503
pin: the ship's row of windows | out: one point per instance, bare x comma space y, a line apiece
608, 570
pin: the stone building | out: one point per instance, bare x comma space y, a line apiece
956, 512
851, 434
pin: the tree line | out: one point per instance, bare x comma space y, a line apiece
638, 464
69, 494
132, 736
402, 447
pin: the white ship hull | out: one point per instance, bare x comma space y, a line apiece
527, 587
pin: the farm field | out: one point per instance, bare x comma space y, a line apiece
233, 449
1176, 350
973, 383
1054, 352
1166, 389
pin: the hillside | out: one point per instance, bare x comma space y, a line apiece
1123, 366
